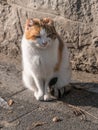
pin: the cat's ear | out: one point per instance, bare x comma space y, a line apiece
48, 21
29, 23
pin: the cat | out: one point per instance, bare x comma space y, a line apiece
45, 58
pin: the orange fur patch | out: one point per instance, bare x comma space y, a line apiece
32, 28
60, 53
32, 32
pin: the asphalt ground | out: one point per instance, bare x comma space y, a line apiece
77, 110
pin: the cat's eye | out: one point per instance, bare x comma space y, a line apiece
52, 35
38, 36
49, 35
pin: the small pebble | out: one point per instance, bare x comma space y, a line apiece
10, 102
56, 119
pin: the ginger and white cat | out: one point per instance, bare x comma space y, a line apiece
46, 65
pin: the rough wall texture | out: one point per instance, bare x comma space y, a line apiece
75, 20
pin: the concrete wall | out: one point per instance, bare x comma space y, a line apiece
75, 20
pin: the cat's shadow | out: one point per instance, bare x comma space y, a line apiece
82, 97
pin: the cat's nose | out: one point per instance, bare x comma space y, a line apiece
44, 43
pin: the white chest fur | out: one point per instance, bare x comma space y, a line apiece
40, 62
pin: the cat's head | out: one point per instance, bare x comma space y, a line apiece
40, 31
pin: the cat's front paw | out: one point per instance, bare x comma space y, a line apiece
49, 97
39, 96
60, 92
